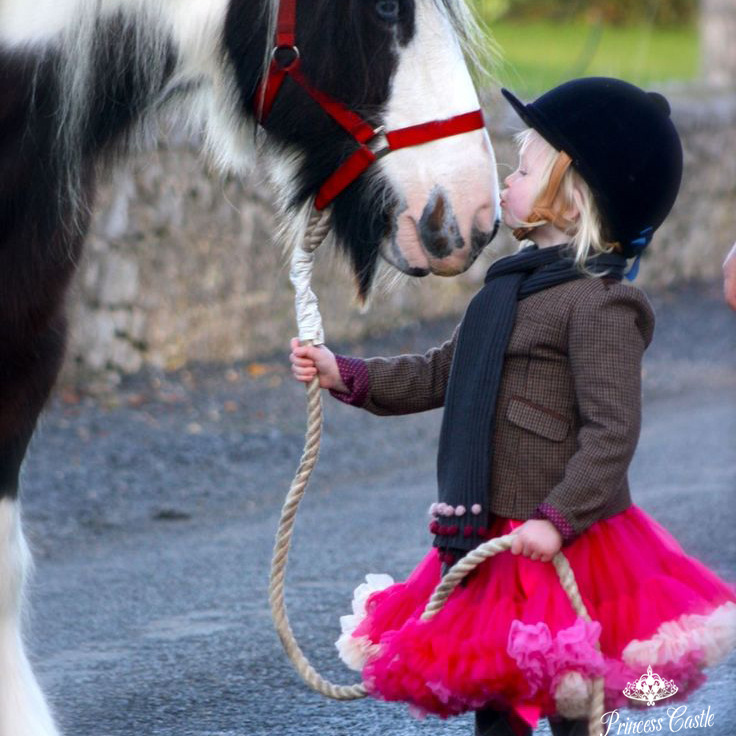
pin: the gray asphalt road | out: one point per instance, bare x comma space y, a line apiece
152, 514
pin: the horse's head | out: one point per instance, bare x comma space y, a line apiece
426, 209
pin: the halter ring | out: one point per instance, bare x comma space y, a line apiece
293, 49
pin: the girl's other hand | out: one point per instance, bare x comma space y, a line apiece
308, 361
537, 539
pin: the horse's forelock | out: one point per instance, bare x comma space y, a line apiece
348, 50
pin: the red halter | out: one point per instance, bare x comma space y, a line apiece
363, 132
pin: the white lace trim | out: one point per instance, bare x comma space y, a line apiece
572, 695
713, 634
356, 650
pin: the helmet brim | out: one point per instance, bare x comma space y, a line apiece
531, 116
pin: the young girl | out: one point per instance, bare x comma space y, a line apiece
541, 384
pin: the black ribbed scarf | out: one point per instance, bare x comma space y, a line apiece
465, 453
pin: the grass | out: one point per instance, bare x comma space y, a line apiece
539, 55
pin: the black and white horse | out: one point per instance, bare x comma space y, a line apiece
79, 82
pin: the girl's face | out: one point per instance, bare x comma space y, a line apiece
524, 184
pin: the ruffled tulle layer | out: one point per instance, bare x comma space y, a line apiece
509, 638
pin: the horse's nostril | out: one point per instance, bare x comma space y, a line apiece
436, 219
438, 227
416, 271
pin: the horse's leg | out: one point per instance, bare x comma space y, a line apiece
28, 367
23, 710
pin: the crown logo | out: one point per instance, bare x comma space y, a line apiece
650, 687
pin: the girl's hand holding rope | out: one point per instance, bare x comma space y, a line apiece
308, 361
537, 539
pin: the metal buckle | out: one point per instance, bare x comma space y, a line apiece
295, 56
379, 153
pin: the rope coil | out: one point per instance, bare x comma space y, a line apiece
310, 333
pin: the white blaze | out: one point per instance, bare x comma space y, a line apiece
432, 82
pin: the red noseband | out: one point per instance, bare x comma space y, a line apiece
351, 122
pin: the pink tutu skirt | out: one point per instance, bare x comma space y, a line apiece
510, 638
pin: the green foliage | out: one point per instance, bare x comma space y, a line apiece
539, 55
619, 12
490, 10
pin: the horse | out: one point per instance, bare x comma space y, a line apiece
82, 82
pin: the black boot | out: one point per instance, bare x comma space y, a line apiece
489, 722
565, 727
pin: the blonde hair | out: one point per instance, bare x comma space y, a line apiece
585, 231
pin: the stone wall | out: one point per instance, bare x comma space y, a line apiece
180, 265
717, 32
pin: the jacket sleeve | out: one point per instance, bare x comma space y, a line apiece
404, 384
608, 333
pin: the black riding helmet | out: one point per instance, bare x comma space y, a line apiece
622, 142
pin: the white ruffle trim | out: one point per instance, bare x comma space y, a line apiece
572, 695
714, 635
356, 650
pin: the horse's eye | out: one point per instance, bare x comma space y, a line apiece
388, 10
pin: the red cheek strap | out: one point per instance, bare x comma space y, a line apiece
416, 135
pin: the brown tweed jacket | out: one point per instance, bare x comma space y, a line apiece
569, 405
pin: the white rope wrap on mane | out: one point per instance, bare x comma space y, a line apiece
308, 317
307, 309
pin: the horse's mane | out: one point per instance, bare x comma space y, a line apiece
175, 74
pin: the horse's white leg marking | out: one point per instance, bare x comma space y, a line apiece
23, 710
432, 82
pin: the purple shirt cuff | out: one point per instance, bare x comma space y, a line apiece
355, 376
549, 512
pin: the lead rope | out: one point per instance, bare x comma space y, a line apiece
310, 333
